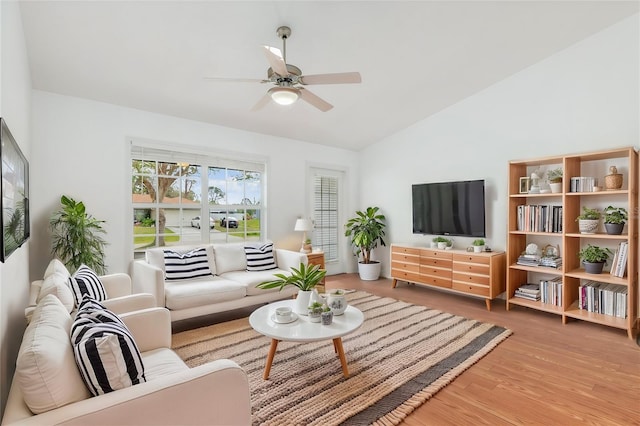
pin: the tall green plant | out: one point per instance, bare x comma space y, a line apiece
304, 277
366, 231
77, 236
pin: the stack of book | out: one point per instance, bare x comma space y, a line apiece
602, 298
529, 292
528, 260
619, 263
551, 261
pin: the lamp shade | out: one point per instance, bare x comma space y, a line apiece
303, 225
284, 95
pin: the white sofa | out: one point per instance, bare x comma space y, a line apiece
48, 381
231, 287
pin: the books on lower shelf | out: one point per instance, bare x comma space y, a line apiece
528, 291
602, 298
539, 218
551, 291
619, 262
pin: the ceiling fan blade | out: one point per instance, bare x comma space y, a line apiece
237, 80
314, 100
262, 102
274, 56
336, 78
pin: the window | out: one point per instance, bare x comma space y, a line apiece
325, 215
182, 198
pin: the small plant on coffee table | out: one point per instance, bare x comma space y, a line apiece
315, 311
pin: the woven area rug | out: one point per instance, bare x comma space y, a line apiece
399, 358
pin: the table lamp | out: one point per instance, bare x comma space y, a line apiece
303, 225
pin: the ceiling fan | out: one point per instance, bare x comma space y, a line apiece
288, 79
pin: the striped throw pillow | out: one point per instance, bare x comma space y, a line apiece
185, 266
105, 352
260, 258
85, 281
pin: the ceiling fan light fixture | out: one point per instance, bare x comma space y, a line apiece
284, 95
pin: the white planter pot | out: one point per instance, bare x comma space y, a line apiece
303, 300
478, 249
337, 302
588, 226
369, 271
442, 246
555, 187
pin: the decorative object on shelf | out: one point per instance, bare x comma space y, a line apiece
304, 225
593, 258
306, 277
613, 180
366, 231
442, 242
326, 315
478, 245
315, 310
535, 183
588, 220
555, 180
532, 249
614, 219
525, 184
337, 301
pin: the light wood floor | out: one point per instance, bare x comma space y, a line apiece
546, 373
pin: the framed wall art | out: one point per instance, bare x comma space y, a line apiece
14, 170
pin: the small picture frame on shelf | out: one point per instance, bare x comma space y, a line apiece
525, 185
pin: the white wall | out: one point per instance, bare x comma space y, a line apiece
80, 149
582, 99
15, 95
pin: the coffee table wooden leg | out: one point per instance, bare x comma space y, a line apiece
272, 353
337, 343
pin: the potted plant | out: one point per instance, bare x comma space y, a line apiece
589, 220
555, 180
337, 301
326, 315
366, 231
315, 311
478, 245
442, 242
614, 219
77, 237
593, 258
306, 277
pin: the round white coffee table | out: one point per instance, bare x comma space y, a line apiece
302, 330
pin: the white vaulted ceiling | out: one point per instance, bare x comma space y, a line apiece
416, 57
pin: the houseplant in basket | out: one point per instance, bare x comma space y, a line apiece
593, 258
306, 277
614, 219
366, 231
588, 220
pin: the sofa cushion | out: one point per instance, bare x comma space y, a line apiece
56, 266
85, 281
184, 266
251, 279
105, 351
199, 292
155, 256
260, 258
162, 362
57, 283
232, 257
45, 368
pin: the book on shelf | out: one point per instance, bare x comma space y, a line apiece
551, 261
620, 265
528, 291
539, 218
582, 184
603, 298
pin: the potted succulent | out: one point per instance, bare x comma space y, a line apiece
326, 315
614, 219
593, 258
337, 301
366, 231
555, 180
315, 311
306, 277
442, 242
478, 245
588, 220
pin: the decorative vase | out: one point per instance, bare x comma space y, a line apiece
614, 228
614, 180
593, 267
327, 318
302, 302
555, 187
478, 249
588, 226
337, 301
369, 271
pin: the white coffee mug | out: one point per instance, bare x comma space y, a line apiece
283, 314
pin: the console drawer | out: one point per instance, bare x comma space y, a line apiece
403, 257
470, 258
406, 250
434, 261
436, 281
472, 268
478, 290
411, 277
471, 279
409, 267
435, 272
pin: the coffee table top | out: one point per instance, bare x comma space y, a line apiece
302, 330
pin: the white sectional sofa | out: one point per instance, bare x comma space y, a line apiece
230, 287
47, 380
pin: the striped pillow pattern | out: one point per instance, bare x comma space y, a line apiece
105, 352
185, 266
86, 282
260, 258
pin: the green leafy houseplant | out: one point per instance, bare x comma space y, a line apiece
366, 231
589, 214
440, 240
617, 215
555, 175
306, 277
316, 308
478, 242
77, 236
594, 254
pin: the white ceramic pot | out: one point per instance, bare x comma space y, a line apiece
588, 226
302, 302
478, 249
442, 246
337, 302
555, 187
369, 271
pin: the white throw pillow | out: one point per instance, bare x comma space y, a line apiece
46, 370
56, 266
57, 284
86, 282
260, 258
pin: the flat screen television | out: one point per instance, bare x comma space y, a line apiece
449, 208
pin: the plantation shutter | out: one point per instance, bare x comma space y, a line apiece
325, 215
